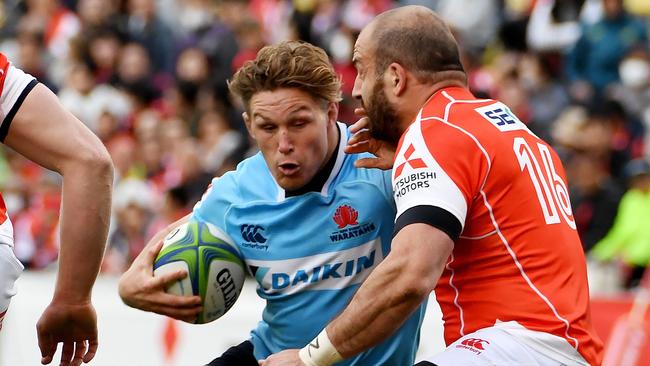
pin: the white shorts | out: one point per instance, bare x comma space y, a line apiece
497, 345
10, 269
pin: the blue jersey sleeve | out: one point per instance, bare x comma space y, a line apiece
387, 186
216, 201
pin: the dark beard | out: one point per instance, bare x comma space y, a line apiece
382, 115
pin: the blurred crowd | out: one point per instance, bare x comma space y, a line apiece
149, 78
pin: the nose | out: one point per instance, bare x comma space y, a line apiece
356, 90
285, 145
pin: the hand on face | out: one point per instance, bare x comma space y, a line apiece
362, 141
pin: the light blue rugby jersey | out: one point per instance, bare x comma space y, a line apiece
309, 253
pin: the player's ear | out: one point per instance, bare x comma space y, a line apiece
332, 112
396, 75
247, 122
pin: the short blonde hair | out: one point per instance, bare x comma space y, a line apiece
289, 64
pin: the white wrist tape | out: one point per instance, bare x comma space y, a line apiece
320, 352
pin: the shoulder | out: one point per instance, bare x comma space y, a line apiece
250, 181
351, 173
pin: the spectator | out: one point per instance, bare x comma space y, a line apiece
633, 92
592, 64
595, 197
88, 100
218, 142
132, 207
629, 238
555, 25
547, 96
142, 25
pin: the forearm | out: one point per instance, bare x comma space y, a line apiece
393, 291
378, 309
85, 215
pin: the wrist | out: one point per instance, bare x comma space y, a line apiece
70, 298
320, 351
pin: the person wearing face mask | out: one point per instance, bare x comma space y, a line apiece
309, 225
591, 64
633, 91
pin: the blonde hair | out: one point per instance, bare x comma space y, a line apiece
289, 64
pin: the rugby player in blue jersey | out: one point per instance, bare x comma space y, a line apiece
310, 226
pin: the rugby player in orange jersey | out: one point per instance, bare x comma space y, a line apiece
33, 123
483, 215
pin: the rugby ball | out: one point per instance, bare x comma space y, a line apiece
215, 269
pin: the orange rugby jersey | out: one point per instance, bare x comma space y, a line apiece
472, 169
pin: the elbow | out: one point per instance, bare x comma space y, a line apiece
415, 289
420, 279
96, 163
102, 163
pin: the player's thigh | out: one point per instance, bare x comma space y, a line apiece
488, 347
10, 269
239, 355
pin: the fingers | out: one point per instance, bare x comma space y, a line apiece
92, 349
66, 354
80, 349
373, 163
361, 136
180, 301
168, 278
358, 148
185, 314
359, 125
151, 253
47, 346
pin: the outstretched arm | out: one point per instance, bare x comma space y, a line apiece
385, 300
47, 134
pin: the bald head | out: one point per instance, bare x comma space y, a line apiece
416, 38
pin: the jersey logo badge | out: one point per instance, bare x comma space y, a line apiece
415, 163
347, 222
475, 345
499, 115
253, 234
345, 215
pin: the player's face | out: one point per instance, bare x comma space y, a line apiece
369, 89
295, 133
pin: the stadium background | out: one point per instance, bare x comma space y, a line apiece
148, 77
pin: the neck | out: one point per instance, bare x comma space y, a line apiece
420, 95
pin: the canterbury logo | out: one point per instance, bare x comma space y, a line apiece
253, 233
475, 343
314, 344
415, 163
345, 215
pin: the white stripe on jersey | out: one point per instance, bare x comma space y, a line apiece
326, 271
7, 233
15, 82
